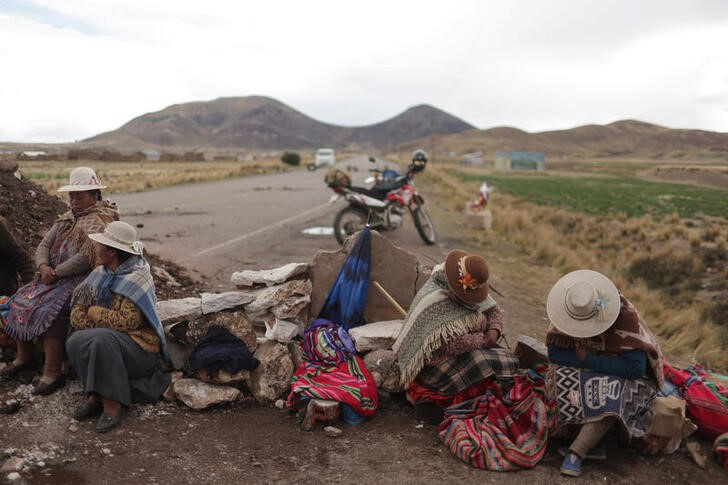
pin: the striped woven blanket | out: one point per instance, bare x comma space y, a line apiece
350, 383
500, 432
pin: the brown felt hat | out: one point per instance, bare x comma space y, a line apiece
467, 276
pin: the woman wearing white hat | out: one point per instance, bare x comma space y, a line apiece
119, 336
608, 363
63, 259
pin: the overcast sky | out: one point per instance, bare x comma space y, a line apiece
70, 69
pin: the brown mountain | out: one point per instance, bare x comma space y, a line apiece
257, 122
627, 138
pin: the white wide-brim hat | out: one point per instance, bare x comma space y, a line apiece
120, 235
81, 180
583, 304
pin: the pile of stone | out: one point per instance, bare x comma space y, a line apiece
269, 312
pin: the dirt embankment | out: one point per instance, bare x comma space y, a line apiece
31, 211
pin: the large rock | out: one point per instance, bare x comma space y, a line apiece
200, 395
269, 277
292, 308
223, 377
172, 311
216, 302
277, 295
283, 331
377, 335
384, 369
394, 268
236, 322
296, 353
273, 376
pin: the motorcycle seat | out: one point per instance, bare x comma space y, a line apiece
376, 193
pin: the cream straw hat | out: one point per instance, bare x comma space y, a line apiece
82, 179
120, 235
583, 304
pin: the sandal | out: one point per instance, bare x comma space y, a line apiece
43, 389
107, 422
87, 410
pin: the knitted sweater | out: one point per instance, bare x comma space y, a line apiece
123, 316
14, 261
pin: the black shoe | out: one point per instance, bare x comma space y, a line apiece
11, 370
429, 413
107, 422
87, 410
43, 389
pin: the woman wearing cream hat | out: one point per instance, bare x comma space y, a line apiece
118, 336
608, 363
63, 259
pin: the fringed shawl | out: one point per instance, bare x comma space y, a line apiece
132, 279
629, 332
433, 318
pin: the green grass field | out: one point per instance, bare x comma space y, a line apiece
611, 195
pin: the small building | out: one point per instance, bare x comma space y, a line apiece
473, 158
520, 161
152, 155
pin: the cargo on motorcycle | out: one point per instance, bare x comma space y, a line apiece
382, 205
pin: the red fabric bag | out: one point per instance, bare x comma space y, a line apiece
704, 408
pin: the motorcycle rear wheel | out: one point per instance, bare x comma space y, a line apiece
348, 221
424, 225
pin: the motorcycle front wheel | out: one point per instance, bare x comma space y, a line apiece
348, 221
424, 225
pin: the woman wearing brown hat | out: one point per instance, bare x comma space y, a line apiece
63, 259
608, 363
447, 349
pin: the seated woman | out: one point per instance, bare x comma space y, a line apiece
447, 349
609, 365
64, 257
118, 336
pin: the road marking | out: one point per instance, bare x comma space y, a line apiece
261, 230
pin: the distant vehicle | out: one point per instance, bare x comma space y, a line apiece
324, 157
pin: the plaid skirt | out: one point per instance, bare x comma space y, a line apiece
460, 372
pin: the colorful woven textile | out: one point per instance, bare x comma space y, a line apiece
583, 396
326, 344
350, 383
36, 306
418, 394
500, 432
4, 309
705, 404
720, 450
460, 372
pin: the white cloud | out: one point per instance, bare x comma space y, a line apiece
74, 68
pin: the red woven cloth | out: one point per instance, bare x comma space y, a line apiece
350, 383
704, 407
417, 393
500, 432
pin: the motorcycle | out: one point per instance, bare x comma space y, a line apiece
382, 206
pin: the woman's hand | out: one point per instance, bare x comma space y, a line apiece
47, 274
581, 348
491, 338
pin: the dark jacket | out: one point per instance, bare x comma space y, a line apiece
14, 262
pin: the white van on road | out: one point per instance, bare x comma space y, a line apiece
324, 157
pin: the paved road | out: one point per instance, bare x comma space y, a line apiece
256, 222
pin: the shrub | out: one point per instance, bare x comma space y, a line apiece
291, 158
